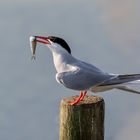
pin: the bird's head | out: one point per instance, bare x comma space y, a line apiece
50, 41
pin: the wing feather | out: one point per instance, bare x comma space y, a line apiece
84, 77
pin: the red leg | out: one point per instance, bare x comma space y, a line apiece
84, 94
77, 100
80, 98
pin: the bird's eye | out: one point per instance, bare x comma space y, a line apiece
52, 39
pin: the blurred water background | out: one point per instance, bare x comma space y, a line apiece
104, 33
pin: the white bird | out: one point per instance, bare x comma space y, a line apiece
79, 75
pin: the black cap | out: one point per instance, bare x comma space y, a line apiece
61, 42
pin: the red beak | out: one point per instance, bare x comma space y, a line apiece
42, 39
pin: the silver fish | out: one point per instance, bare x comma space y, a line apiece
33, 44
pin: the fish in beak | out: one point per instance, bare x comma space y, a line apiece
33, 44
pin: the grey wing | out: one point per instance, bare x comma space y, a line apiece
89, 67
120, 79
82, 78
120, 82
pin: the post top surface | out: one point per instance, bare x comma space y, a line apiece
87, 100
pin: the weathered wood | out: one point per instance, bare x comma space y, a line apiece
84, 121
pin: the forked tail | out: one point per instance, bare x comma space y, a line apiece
121, 79
121, 82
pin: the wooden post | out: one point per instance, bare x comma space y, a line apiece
84, 121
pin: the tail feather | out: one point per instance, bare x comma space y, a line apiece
126, 88
121, 82
121, 79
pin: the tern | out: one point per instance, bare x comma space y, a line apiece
79, 75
